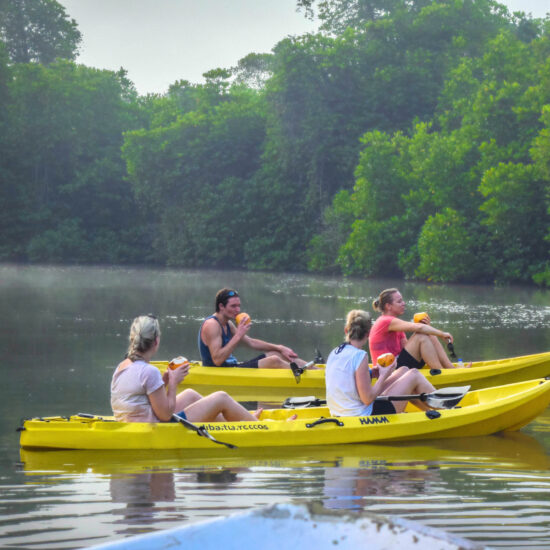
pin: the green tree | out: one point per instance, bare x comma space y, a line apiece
66, 173
445, 248
193, 175
38, 31
518, 220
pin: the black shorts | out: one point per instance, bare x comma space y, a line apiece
381, 406
405, 359
251, 364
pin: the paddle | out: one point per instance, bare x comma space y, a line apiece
318, 356
297, 371
445, 398
451, 349
201, 430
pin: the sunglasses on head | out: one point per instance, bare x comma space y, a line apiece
231, 293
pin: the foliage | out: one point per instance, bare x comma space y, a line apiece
38, 31
445, 248
407, 138
473, 183
62, 163
193, 174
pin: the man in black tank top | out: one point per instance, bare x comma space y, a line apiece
219, 336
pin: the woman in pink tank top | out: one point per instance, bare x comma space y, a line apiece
388, 335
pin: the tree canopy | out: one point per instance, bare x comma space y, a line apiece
37, 31
405, 138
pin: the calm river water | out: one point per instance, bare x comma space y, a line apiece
64, 329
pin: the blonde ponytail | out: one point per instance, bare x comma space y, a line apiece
144, 332
358, 325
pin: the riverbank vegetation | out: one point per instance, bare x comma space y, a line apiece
405, 138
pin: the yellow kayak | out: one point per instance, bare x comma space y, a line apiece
480, 412
251, 384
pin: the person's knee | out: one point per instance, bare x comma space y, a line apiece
220, 395
413, 375
275, 361
422, 337
418, 376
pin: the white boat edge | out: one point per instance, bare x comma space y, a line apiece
303, 525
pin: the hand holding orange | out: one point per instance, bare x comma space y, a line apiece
242, 318
178, 362
386, 359
419, 317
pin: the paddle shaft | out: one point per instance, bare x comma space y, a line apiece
445, 397
201, 430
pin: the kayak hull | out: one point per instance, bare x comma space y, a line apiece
300, 525
265, 383
481, 412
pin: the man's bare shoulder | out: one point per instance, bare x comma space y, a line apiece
211, 327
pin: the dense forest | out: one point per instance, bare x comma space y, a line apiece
406, 138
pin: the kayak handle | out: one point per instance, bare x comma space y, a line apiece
433, 372
324, 421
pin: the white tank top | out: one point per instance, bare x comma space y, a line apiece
342, 395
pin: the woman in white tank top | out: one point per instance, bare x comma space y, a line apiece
350, 390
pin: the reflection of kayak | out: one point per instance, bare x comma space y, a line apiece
302, 526
510, 450
482, 374
480, 412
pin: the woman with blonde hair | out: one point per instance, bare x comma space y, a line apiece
139, 393
350, 391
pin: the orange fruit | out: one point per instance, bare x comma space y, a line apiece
419, 316
386, 359
242, 318
178, 362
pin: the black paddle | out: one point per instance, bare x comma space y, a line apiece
445, 398
297, 371
201, 430
451, 349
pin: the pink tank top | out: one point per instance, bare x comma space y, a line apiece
381, 340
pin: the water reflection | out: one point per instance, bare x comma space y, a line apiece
513, 450
141, 493
448, 483
348, 488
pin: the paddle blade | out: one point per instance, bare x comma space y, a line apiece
446, 398
303, 402
451, 349
296, 371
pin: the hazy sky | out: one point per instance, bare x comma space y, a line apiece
161, 41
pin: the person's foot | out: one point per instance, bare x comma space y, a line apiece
293, 417
257, 413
